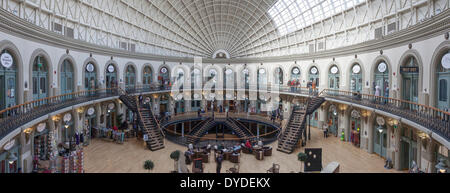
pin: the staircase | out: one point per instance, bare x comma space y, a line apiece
129, 101
240, 130
293, 132
147, 121
313, 104
151, 128
200, 130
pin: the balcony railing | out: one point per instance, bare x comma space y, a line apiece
15, 117
432, 118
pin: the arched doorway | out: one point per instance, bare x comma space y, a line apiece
333, 119
111, 76
443, 81
262, 90
147, 78
279, 78
67, 78
381, 79
380, 137
196, 86
356, 127
8, 81
410, 80
295, 79
230, 85
334, 79
356, 82
314, 76
130, 78
164, 77
40, 78
90, 77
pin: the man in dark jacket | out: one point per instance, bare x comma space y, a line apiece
219, 160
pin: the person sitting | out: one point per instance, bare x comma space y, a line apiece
237, 148
248, 144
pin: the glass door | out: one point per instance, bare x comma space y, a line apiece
40, 81
380, 141
443, 91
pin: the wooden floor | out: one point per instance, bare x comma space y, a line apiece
107, 157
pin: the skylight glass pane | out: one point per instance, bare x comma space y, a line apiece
293, 15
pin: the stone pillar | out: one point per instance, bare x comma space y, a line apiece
370, 129
396, 148
344, 124
419, 153
98, 113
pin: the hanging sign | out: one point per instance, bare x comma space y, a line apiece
91, 111
147, 100
67, 117
446, 61
145, 137
356, 69
111, 68
414, 70
6, 60
296, 71
334, 70
41, 127
90, 67
382, 67
9, 145
314, 70
111, 106
164, 70
381, 121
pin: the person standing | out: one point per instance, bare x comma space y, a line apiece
219, 160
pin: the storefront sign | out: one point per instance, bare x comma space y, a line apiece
41, 127
111, 68
356, 69
382, 67
381, 121
314, 70
9, 145
446, 61
91, 111
67, 117
111, 106
334, 70
414, 70
6, 60
90, 67
356, 114
296, 71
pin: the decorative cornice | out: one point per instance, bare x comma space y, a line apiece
435, 26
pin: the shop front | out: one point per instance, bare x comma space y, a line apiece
10, 157
333, 120
111, 115
90, 124
355, 125
8, 82
443, 78
408, 148
380, 137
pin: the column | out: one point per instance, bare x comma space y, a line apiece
419, 153
98, 113
370, 129
76, 120
396, 146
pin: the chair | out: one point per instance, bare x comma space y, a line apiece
275, 169
267, 151
235, 169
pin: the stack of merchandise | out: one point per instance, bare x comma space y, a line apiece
80, 155
65, 164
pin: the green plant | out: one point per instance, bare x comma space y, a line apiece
302, 157
149, 165
175, 156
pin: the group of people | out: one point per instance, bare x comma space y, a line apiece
277, 115
294, 84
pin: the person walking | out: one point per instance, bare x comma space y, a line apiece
377, 93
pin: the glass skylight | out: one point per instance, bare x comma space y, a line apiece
293, 15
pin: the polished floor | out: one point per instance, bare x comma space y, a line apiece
107, 157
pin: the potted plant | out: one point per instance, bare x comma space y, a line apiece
175, 156
149, 165
302, 158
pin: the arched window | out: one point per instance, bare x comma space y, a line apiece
90, 77
130, 78
443, 78
381, 79
410, 80
356, 82
67, 77
8, 81
147, 78
111, 76
40, 78
334, 78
